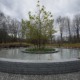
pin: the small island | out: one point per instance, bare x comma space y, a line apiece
40, 51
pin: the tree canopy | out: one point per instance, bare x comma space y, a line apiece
39, 29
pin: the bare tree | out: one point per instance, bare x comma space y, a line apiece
60, 21
68, 27
76, 26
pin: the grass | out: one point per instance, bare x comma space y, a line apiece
41, 49
67, 45
22, 44
14, 44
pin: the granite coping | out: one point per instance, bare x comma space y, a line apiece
38, 61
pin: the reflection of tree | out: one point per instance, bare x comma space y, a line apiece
78, 53
70, 51
61, 52
51, 57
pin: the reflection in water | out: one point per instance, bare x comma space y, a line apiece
16, 53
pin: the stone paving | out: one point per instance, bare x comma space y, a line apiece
69, 76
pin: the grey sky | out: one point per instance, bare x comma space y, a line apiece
19, 8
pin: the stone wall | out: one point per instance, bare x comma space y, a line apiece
39, 68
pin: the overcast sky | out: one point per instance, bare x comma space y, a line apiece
19, 8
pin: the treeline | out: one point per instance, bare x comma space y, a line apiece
69, 29
10, 29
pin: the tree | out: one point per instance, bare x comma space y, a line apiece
67, 27
3, 36
61, 23
39, 29
76, 25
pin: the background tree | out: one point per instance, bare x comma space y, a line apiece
3, 28
61, 23
67, 27
9, 28
76, 26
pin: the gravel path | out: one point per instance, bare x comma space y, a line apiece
70, 76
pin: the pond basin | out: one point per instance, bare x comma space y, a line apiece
13, 60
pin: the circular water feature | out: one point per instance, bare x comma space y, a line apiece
13, 60
16, 53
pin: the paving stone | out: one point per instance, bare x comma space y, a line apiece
69, 76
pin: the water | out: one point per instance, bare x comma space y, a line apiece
16, 53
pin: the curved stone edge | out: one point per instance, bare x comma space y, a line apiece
44, 52
39, 68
